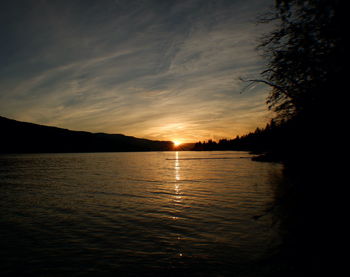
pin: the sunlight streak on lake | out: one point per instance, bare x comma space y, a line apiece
177, 213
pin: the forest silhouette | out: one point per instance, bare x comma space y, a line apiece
305, 68
306, 57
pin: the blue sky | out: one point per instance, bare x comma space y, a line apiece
163, 70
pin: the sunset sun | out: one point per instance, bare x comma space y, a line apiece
176, 142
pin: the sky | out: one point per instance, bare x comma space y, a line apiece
156, 69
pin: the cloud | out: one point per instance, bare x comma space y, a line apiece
156, 69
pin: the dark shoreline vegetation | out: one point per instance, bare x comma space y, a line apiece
268, 144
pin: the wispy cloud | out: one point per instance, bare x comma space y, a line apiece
156, 69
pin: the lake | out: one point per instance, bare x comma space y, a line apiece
137, 214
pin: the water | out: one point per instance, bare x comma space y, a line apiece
136, 214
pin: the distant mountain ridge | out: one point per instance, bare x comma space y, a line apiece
23, 137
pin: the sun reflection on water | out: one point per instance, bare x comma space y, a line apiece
177, 166
177, 194
177, 176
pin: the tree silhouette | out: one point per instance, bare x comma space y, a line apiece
305, 56
306, 61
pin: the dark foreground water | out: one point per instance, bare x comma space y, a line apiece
136, 214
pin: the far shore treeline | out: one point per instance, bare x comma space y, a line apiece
269, 142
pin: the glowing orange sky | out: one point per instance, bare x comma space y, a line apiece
158, 69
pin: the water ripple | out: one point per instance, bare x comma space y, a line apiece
186, 213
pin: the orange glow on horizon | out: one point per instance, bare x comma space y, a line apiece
176, 142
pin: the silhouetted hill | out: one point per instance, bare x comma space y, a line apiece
23, 137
